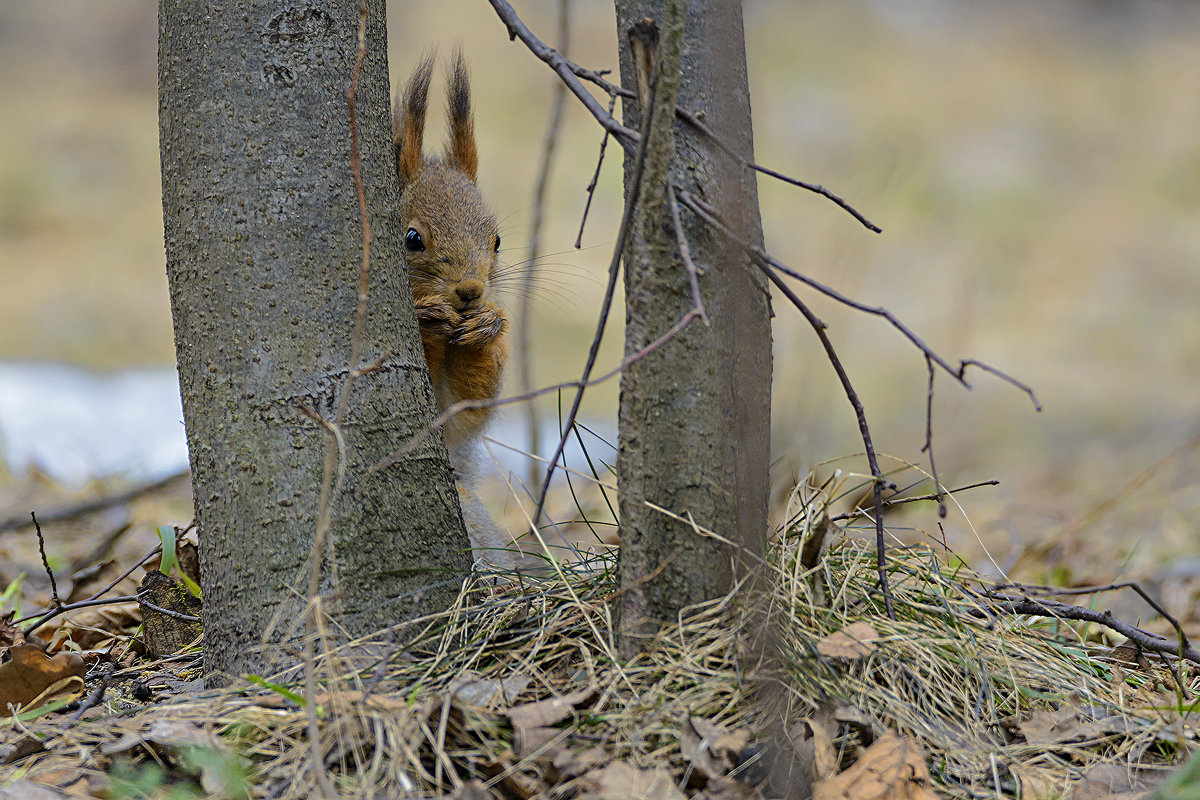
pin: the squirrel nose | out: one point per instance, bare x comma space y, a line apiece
469, 291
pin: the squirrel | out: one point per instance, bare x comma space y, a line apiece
451, 243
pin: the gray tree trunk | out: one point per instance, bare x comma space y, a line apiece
263, 243
695, 414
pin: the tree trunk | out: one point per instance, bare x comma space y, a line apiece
264, 241
695, 414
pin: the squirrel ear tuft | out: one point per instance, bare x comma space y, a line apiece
408, 119
460, 152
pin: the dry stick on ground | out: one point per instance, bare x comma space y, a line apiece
1052, 608
94, 600
76, 510
1026, 589
549, 147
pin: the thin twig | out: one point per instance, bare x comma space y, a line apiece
47, 615
566, 70
766, 261
928, 448
89, 506
570, 73
591, 187
695, 121
468, 405
1133, 585
896, 501
541, 186
685, 252
45, 562
54, 612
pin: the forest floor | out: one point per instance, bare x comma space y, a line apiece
970, 688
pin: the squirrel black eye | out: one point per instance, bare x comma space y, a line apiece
497, 244
413, 241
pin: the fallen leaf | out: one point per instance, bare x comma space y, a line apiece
572, 765
891, 769
810, 738
694, 748
851, 642
471, 689
531, 740
1039, 784
622, 781
30, 673
1116, 780
1069, 724
547, 712
23, 747
722, 742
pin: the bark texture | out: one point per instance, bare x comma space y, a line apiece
264, 242
695, 414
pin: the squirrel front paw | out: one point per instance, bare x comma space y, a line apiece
437, 317
480, 326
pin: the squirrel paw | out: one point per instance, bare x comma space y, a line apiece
437, 317
480, 327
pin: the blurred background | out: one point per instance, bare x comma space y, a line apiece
1035, 168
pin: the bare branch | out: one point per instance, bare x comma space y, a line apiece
549, 147
566, 70
591, 187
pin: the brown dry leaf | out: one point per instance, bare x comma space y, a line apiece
1038, 784
548, 712
814, 745
90, 627
471, 689
710, 747
534, 740
891, 769
851, 642
1116, 782
572, 765
622, 781
30, 672
10, 634
1068, 724
22, 747
722, 742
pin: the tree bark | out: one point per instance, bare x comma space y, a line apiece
695, 414
264, 241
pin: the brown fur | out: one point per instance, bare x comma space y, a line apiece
463, 328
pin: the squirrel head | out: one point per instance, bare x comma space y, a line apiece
451, 239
